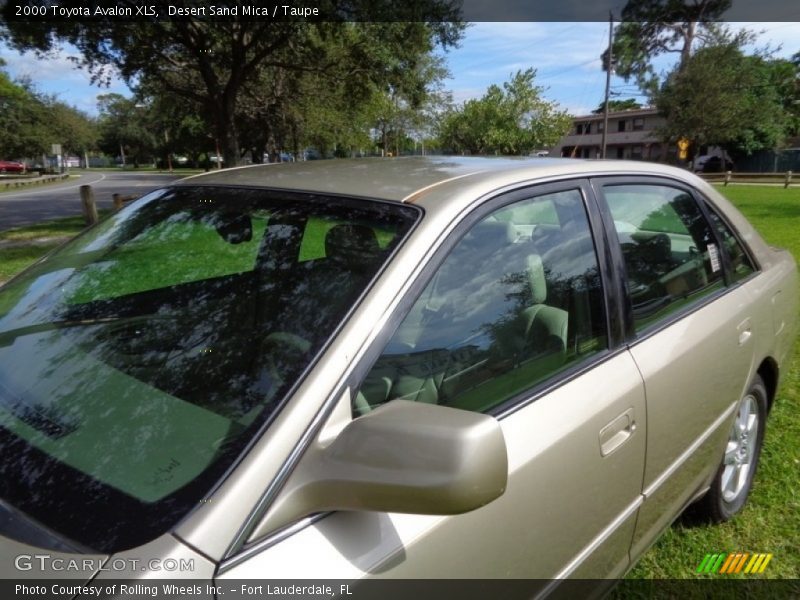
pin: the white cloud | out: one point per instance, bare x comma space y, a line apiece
59, 75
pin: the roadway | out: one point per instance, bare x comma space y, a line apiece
41, 203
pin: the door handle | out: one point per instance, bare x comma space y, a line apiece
616, 433
745, 330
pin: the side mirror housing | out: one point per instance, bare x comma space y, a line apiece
406, 457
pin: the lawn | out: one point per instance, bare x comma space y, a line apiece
771, 520
22, 246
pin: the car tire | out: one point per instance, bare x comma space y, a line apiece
734, 478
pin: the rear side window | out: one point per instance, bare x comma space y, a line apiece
741, 265
517, 300
670, 253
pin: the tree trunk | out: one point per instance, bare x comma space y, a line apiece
227, 140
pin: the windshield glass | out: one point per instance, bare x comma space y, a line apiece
138, 361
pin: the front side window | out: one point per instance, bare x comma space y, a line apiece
517, 300
670, 253
138, 361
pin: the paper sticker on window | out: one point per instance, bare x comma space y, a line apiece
713, 255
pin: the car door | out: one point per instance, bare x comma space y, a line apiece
508, 319
688, 333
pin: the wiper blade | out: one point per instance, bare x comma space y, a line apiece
18, 526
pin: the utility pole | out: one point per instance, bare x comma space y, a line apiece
608, 82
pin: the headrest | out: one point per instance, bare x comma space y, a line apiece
489, 235
655, 248
352, 244
536, 279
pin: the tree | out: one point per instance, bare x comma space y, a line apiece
31, 122
125, 129
210, 62
514, 119
23, 121
616, 105
723, 97
650, 28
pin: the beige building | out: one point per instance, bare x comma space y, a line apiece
631, 135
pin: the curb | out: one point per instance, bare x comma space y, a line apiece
7, 185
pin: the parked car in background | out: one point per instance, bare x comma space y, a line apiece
716, 164
711, 163
312, 154
410, 368
12, 166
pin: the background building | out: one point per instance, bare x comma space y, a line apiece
632, 134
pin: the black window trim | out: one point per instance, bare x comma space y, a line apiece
611, 298
632, 337
708, 207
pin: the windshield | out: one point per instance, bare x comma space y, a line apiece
138, 361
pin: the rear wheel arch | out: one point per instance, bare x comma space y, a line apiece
768, 370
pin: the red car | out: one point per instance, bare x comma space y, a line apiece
11, 166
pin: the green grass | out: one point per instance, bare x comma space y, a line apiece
66, 227
13, 260
771, 520
32, 242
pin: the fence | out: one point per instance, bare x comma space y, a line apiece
89, 206
786, 179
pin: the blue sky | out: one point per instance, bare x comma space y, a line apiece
565, 55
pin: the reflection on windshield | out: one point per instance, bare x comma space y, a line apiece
137, 362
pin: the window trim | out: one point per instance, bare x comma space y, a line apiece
632, 337
615, 338
709, 208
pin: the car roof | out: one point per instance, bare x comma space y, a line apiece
430, 181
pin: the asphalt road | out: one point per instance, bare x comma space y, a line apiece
40, 203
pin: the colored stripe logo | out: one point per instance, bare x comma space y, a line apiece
738, 562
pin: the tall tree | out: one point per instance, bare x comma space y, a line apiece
210, 61
514, 119
125, 129
650, 28
31, 122
725, 98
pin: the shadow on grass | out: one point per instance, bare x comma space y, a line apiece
13, 260
63, 227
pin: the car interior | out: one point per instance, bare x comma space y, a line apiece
514, 302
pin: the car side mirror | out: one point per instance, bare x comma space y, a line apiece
406, 457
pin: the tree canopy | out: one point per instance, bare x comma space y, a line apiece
513, 120
616, 105
650, 28
723, 97
31, 122
217, 66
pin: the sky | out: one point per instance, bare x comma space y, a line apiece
566, 57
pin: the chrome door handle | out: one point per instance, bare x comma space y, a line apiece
616, 433
745, 330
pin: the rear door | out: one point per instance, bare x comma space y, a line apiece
688, 332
